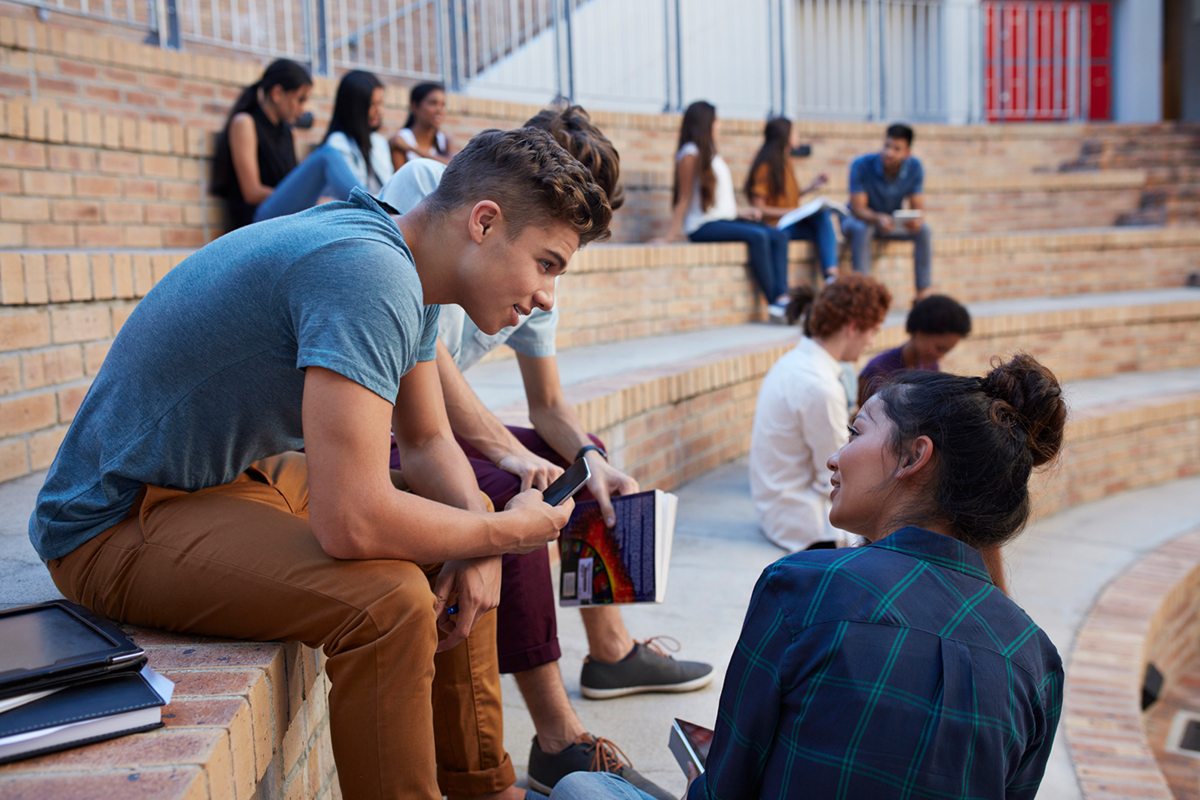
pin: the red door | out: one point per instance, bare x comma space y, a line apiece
1047, 61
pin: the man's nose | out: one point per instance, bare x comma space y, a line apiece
544, 298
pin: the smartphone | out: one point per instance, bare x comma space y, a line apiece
802, 151
568, 483
689, 744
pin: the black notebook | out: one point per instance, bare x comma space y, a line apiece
58, 643
97, 709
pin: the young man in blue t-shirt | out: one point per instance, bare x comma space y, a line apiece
879, 185
177, 501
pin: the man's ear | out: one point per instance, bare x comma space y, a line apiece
483, 220
919, 455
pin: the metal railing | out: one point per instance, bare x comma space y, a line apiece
882, 59
1037, 60
922, 60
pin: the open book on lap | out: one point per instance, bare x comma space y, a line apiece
810, 208
624, 564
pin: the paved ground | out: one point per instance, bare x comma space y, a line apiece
1057, 568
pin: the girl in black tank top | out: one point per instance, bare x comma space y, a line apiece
258, 136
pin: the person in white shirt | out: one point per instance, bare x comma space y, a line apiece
422, 135
801, 417
353, 130
706, 209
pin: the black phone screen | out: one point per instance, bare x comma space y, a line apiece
568, 483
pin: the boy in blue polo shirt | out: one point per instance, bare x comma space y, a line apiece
879, 184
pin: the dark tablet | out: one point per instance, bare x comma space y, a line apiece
51, 644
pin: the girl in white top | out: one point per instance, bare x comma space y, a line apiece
422, 136
801, 417
357, 116
706, 208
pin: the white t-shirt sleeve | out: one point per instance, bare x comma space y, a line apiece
826, 420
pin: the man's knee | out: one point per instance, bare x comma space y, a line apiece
394, 600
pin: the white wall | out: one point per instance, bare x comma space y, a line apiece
1137, 60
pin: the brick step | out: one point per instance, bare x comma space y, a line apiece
247, 719
955, 203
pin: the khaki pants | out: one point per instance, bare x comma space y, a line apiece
241, 561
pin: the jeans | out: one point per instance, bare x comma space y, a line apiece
301, 188
860, 234
596, 786
768, 250
818, 228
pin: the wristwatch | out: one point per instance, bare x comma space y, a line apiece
583, 451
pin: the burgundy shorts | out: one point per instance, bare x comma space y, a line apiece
526, 623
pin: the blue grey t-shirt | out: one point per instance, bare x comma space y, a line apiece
207, 375
883, 195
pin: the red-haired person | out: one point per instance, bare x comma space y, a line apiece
801, 416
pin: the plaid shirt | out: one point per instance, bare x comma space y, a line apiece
893, 670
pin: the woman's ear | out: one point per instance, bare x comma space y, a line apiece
920, 454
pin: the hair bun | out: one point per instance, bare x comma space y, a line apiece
1028, 394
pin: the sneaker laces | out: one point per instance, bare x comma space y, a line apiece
669, 642
604, 756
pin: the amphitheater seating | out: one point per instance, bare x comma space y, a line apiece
103, 160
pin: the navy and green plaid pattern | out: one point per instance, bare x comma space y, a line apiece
895, 670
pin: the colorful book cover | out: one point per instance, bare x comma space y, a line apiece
624, 564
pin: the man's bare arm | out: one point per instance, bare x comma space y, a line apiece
860, 209
470, 419
355, 510
557, 423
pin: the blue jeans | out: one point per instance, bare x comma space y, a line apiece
860, 234
818, 228
768, 250
596, 786
301, 188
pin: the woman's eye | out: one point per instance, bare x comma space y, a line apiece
852, 429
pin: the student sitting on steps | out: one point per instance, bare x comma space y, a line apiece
354, 130
508, 459
177, 499
879, 185
254, 167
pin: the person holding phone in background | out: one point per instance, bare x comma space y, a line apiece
773, 190
879, 185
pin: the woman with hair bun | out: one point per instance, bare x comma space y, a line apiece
802, 411
254, 166
899, 669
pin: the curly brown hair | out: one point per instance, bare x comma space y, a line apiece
533, 180
851, 298
572, 128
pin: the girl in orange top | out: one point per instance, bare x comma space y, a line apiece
772, 188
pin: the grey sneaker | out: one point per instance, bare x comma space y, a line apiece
588, 754
649, 669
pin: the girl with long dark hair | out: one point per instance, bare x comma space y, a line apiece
899, 669
706, 210
357, 116
772, 188
254, 167
422, 135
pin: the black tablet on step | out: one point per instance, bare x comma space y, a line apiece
57, 643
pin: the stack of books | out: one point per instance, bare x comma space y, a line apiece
68, 678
